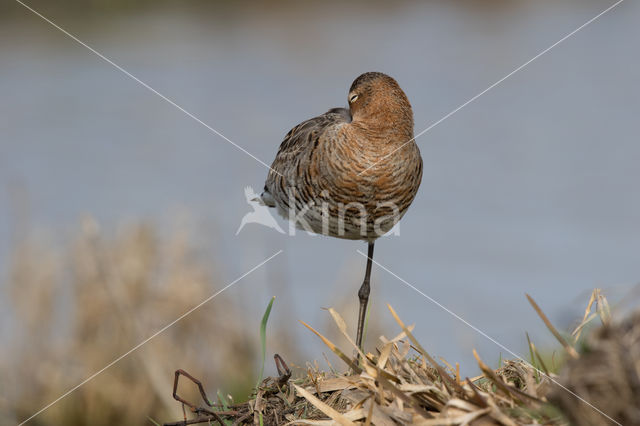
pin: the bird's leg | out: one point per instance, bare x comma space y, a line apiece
363, 295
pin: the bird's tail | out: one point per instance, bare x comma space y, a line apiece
266, 199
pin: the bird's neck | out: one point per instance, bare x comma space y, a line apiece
384, 129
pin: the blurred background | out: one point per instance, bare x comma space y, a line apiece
118, 212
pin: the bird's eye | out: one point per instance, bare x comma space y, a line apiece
353, 98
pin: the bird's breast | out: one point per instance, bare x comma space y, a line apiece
356, 168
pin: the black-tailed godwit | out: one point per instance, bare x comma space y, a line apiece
350, 173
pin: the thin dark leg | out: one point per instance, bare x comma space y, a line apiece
363, 295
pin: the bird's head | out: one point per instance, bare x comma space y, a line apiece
377, 101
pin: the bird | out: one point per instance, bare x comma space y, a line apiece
352, 172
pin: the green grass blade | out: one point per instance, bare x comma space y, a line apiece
223, 400
263, 337
366, 326
533, 358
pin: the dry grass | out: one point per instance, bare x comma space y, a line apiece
402, 384
74, 310
607, 374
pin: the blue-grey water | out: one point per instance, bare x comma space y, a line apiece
531, 188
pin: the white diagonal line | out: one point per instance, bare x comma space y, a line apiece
145, 85
572, 33
163, 329
476, 329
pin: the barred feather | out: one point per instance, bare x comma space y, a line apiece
356, 169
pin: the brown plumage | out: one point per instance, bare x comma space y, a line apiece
350, 173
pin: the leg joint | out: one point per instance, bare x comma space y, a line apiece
364, 291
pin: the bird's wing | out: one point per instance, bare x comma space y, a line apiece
301, 139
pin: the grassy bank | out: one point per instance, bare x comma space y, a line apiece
401, 383
75, 309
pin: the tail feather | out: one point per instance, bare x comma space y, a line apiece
266, 199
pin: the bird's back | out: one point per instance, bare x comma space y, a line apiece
291, 168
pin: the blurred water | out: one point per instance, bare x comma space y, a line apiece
532, 188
